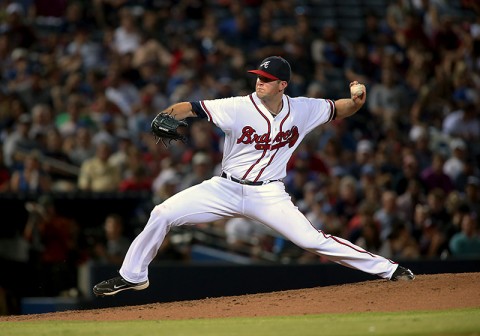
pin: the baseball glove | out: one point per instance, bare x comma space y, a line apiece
165, 127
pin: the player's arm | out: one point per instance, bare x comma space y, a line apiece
184, 110
180, 111
346, 107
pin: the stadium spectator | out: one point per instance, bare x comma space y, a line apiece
387, 215
30, 178
97, 174
42, 122
466, 243
455, 164
387, 99
348, 201
201, 170
19, 32
113, 246
57, 164
463, 123
18, 142
364, 155
82, 148
400, 244
433, 177
55, 251
407, 201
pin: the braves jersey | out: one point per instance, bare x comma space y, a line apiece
257, 145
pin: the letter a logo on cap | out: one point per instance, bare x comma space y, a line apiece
265, 64
275, 68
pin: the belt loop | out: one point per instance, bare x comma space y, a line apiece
229, 176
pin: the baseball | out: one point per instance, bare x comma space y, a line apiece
357, 90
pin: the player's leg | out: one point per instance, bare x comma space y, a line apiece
272, 206
206, 202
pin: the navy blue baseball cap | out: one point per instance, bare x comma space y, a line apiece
274, 67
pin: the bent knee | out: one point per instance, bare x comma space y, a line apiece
309, 243
164, 215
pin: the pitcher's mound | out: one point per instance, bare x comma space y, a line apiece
426, 292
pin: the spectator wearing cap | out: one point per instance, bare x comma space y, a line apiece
420, 139
455, 164
464, 122
20, 34
18, 141
364, 155
166, 184
20, 72
201, 169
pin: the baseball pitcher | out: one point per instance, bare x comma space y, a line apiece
262, 130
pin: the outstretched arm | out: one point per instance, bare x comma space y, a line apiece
346, 107
180, 111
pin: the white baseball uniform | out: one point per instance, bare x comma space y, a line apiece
257, 149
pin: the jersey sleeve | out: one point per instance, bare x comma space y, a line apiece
320, 111
221, 112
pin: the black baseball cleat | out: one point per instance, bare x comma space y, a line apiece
402, 273
115, 285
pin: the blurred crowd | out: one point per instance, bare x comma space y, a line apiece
81, 81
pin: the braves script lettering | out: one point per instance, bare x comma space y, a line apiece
262, 142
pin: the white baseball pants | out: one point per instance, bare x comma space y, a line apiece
270, 204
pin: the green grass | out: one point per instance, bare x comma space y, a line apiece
446, 322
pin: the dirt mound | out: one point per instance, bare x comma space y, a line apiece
426, 292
